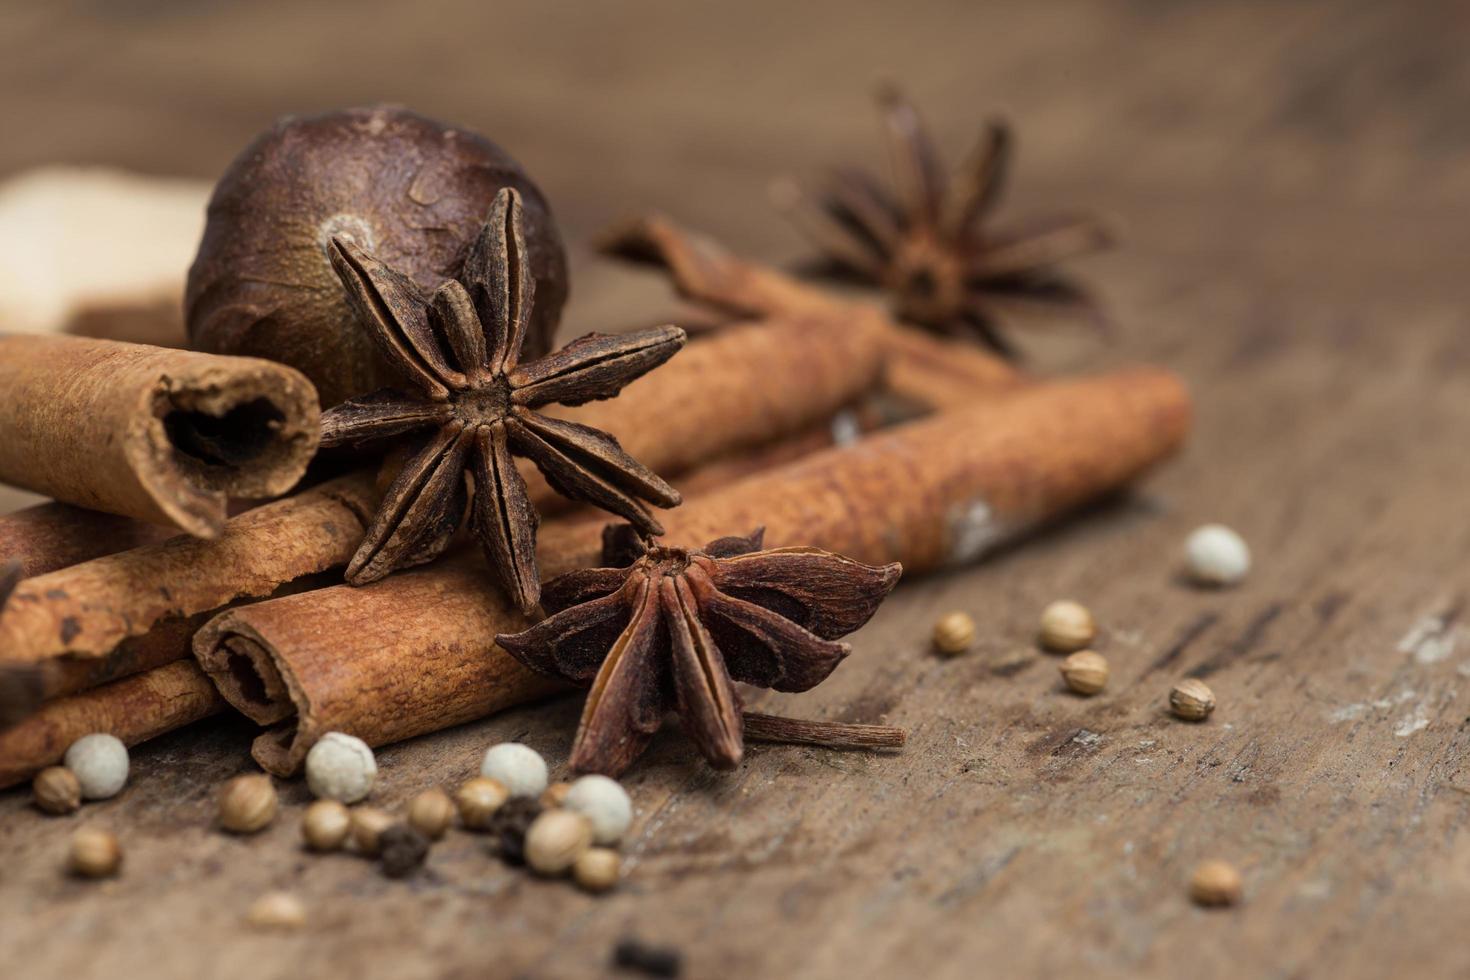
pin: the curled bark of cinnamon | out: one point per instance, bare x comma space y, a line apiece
161, 435
134, 709
67, 629
930, 371
46, 537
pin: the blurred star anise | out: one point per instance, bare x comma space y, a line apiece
475, 405
926, 243
675, 628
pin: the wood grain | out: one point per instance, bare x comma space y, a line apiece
1291, 180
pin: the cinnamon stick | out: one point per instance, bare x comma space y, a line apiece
412, 654
337, 660
932, 371
134, 709
161, 435
943, 490
103, 617
46, 537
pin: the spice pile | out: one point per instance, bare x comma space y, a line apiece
423, 482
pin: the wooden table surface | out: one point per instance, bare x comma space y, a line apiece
1293, 179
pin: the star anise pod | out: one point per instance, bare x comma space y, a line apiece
475, 407
927, 244
677, 627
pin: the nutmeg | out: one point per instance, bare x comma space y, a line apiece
409, 189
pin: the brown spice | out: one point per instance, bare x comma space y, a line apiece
248, 804
277, 910
392, 180
477, 400
705, 617
326, 825
94, 853
954, 633
1192, 699
57, 791
925, 244
1085, 672
368, 824
1215, 883
597, 869
555, 840
431, 813
479, 799
656, 961
555, 795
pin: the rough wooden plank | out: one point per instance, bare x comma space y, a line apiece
1292, 184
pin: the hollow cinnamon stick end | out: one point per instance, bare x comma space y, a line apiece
216, 428
240, 664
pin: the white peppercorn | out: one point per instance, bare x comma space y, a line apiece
340, 767
555, 840
57, 791
604, 803
1216, 555
597, 869
100, 763
326, 825
94, 853
519, 768
1066, 626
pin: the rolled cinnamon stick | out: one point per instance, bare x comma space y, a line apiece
160, 435
411, 654
332, 660
943, 490
134, 709
46, 537
931, 371
100, 618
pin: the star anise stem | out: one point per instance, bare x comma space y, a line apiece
473, 407
828, 734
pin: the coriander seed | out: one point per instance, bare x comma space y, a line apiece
326, 825
954, 633
57, 790
1085, 672
368, 824
1215, 884
555, 840
277, 910
604, 803
478, 799
100, 763
431, 813
597, 869
94, 853
1066, 626
1192, 699
555, 795
248, 804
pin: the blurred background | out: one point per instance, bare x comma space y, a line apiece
1287, 175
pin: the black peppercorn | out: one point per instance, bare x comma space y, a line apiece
403, 850
507, 828
655, 961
